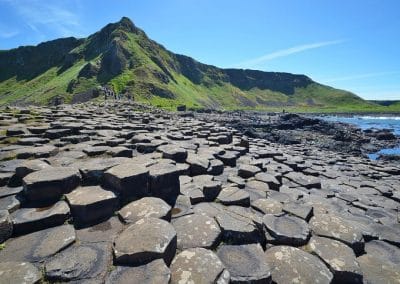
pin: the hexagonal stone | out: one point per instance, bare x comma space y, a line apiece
30, 166
91, 204
340, 259
292, 265
39, 245
303, 211
245, 263
50, 184
19, 272
36, 152
269, 179
248, 171
173, 152
146, 240
129, 179
27, 220
6, 227
216, 167
197, 231
7, 191
198, 265
267, 206
234, 196
286, 230
376, 270
144, 208
28, 141
303, 180
229, 158
383, 250
336, 227
153, 272
164, 181
95, 150
102, 232
78, 263
10, 203
198, 164
238, 229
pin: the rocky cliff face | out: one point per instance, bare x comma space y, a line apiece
122, 56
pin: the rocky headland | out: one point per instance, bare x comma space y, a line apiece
119, 192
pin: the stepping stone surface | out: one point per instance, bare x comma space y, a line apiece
196, 231
153, 272
286, 230
19, 272
234, 196
50, 183
146, 240
144, 208
27, 220
91, 203
245, 263
292, 265
198, 265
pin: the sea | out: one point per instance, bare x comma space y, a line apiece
378, 122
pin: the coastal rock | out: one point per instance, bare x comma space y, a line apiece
144, 241
198, 265
6, 226
144, 208
19, 272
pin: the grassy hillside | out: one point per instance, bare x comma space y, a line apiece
122, 57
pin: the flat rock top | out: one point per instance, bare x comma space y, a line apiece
198, 265
144, 208
292, 265
127, 170
89, 194
51, 174
19, 272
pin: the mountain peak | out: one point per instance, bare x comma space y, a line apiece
127, 24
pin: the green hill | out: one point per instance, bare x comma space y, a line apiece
122, 56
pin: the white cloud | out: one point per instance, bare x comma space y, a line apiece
285, 52
8, 34
60, 17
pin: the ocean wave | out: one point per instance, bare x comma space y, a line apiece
379, 117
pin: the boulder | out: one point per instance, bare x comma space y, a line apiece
198, 265
164, 182
6, 227
248, 171
173, 152
144, 241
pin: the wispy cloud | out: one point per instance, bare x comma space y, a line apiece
359, 76
56, 16
8, 34
286, 52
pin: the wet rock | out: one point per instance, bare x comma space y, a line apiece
292, 265
79, 263
198, 265
245, 263
19, 272
335, 227
6, 227
196, 231
286, 230
144, 208
153, 272
91, 204
27, 220
50, 184
234, 196
339, 257
38, 246
144, 241
128, 179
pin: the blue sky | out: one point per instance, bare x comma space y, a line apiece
348, 44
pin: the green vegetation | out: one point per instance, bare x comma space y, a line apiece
122, 57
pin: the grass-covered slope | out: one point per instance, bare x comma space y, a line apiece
122, 56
